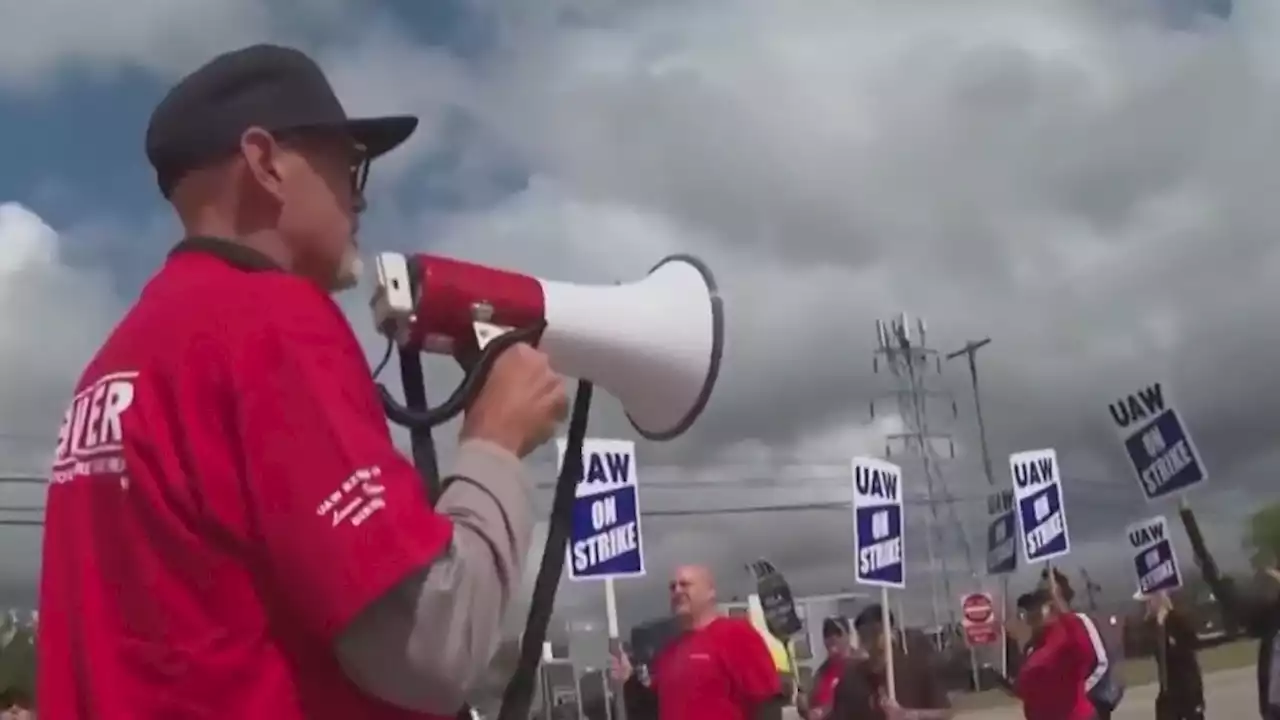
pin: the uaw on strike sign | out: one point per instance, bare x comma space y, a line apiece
1037, 490
604, 541
1157, 443
1002, 534
1154, 561
877, 523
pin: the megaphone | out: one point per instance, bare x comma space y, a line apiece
654, 344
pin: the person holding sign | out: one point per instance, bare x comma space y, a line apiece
1260, 618
1181, 695
1028, 633
717, 668
1051, 681
863, 692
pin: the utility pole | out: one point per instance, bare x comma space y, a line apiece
903, 347
970, 352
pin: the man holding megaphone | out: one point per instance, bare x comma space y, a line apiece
230, 531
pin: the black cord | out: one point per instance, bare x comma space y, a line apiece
386, 358
477, 373
519, 693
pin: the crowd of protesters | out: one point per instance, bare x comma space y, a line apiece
719, 667
1065, 669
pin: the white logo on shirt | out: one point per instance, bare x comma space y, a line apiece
91, 438
356, 499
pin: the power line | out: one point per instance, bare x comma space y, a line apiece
828, 506
832, 504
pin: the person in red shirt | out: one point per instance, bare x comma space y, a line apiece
717, 668
1051, 681
835, 638
230, 531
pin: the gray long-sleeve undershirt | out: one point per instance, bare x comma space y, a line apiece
426, 644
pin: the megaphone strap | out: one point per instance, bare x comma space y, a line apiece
519, 692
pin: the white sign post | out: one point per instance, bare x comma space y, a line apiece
1042, 515
605, 540
877, 537
1154, 561
1157, 443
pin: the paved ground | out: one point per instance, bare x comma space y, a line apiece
1230, 695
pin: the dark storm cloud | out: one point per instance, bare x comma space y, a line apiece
1090, 189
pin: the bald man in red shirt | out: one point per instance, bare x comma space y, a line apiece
717, 668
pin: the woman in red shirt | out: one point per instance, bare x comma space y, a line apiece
1051, 682
835, 637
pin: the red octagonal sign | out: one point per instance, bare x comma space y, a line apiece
979, 619
977, 609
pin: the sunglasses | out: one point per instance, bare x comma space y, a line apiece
358, 159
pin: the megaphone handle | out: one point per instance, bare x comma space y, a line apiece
421, 442
519, 693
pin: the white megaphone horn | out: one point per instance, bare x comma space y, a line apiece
654, 344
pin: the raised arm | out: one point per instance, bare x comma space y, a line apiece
1241, 610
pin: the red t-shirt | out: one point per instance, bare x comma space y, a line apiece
225, 498
720, 672
1051, 681
824, 685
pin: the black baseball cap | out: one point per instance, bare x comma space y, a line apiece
276, 88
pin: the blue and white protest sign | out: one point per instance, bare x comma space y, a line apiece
1154, 560
1002, 534
877, 523
605, 540
1157, 443
1042, 515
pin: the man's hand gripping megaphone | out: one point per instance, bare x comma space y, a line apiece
656, 345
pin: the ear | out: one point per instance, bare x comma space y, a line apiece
262, 156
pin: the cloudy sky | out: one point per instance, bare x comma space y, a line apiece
1091, 184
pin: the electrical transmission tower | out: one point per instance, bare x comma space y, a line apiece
903, 351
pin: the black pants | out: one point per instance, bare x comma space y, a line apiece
1176, 708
